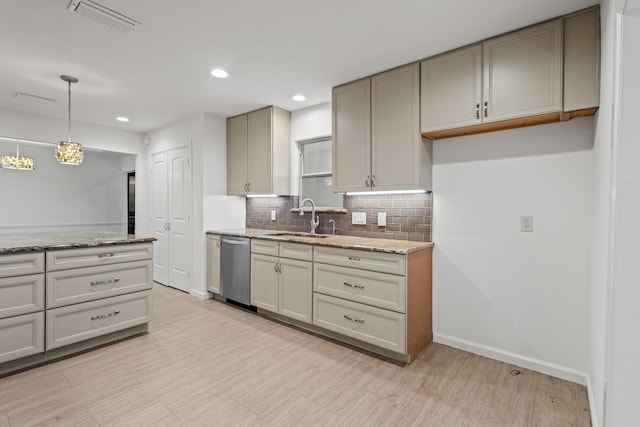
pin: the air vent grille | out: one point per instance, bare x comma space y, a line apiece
104, 15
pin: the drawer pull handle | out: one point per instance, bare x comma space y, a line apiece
105, 282
104, 316
105, 255
351, 285
354, 258
353, 319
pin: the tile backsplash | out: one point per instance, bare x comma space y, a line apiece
408, 216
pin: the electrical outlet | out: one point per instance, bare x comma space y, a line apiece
359, 218
382, 219
526, 223
273, 215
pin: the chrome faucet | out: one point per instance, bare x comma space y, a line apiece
315, 221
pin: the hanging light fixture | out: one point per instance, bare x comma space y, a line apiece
68, 152
17, 161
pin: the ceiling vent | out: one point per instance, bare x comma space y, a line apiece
103, 14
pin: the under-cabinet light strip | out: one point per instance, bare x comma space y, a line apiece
375, 193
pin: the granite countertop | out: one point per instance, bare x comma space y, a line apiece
339, 241
36, 242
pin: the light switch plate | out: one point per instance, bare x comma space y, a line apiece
359, 218
382, 219
526, 223
273, 215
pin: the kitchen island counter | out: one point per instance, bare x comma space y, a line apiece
46, 241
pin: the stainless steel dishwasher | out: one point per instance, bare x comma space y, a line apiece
235, 269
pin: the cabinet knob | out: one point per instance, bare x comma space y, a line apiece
366, 182
477, 111
486, 107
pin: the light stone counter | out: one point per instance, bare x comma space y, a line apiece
338, 241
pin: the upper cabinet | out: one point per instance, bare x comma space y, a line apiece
351, 148
512, 76
522, 73
451, 90
541, 74
376, 135
258, 152
582, 60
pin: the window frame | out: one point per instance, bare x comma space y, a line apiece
301, 175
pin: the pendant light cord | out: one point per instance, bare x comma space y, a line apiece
69, 123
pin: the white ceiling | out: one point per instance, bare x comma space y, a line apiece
271, 49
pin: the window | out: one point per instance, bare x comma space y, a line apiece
315, 173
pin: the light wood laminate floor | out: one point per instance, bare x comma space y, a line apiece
206, 363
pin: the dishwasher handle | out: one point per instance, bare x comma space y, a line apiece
236, 242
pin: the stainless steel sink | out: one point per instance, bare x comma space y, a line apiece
298, 234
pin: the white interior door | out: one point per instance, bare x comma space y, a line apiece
160, 218
179, 210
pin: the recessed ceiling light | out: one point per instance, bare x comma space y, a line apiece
219, 73
122, 119
299, 98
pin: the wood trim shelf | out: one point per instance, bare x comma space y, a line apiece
511, 124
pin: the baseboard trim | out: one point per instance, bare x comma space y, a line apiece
537, 365
592, 403
200, 294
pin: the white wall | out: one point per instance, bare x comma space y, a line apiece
623, 337
308, 123
205, 134
518, 297
20, 124
56, 197
219, 210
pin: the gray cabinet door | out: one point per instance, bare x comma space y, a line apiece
259, 137
395, 129
351, 104
451, 90
237, 155
522, 73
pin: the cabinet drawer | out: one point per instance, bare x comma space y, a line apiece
86, 284
264, 247
299, 251
373, 325
368, 287
21, 295
21, 336
102, 255
74, 323
366, 260
19, 264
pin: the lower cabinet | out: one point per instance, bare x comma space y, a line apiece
21, 336
282, 285
373, 325
213, 263
22, 290
379, 298
376, 300
83, 293
79, 322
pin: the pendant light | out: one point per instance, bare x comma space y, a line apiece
17, 161
68, 152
